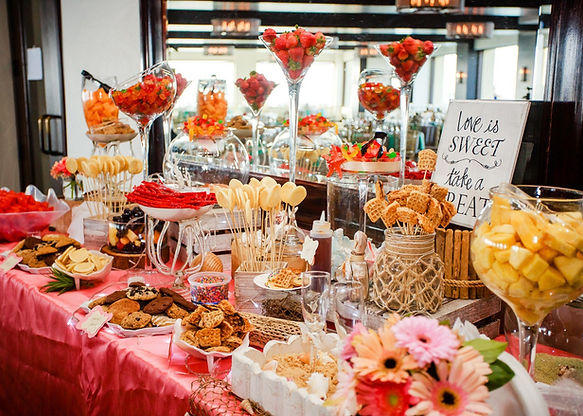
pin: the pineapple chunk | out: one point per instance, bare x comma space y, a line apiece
492, 281
548, 253
519, 256
499, 241
504, 229
556, 243
505, 272
520, 289
534, 268
529, 234
550, 279
482, 229
502, 255
483, 259
501, 211
131, 235
571, 268
564, 233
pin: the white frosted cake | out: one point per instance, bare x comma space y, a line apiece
371, 167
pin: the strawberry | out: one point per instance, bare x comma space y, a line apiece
283, 57
307, 61
280, 43
296, 54
403, 55
419, 55
397, 47
384, 49
292, 41
410, 45
428, 47
244, 84
320, 40
294, 65
260, 91
407, 65
307, 39
269, 35
295, 74
312, 50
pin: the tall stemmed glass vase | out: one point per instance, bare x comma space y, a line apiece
294, 52
144, 97
255, 89
527, 248
406, 57
378, 93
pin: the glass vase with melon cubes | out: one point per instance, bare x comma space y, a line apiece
527, 248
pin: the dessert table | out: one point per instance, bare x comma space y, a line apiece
49, 367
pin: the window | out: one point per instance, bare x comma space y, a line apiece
499, 69
195, 70
444, 80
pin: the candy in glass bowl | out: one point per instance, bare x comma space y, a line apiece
527, 248
211, 100
377, 94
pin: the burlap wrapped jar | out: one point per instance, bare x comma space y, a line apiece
408, 274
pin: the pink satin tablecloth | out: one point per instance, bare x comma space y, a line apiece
47, 367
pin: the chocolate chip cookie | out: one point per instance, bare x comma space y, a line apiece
136, 320
142, 293
115, 296
158, 305
122, 308
179, 300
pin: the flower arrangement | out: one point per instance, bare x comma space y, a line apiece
66, 169
416, 366
204, 126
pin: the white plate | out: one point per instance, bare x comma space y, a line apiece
175, 214
261, 281
128, 333
108, 138
98, 275
34, 270
197, 352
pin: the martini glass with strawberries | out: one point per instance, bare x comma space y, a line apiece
378, 94
255, 89
527, 248
406, 57
295, 52
144, 97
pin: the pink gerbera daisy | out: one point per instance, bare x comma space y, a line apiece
460, 389
348, 350
386, 399
380, 359
425, 339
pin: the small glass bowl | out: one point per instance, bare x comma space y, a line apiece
209, 287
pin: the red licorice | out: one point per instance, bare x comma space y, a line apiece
156, 195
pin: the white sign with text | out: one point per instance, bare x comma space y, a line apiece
477, 150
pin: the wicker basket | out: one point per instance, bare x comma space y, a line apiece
461, 281
266, 329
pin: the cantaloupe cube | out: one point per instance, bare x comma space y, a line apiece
499, 241
534, 268
566, 234
502, 255
505, 272
550, 279
520, 289
556, 243
571, 268
529, 234
519, 256
548, 254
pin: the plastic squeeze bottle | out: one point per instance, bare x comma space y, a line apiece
322, 233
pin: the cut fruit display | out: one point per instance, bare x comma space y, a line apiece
255, 88
295, 51
407, 56
532, 261
378, 98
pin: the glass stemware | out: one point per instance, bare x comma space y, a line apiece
295, 62
348, 305
181, 85
406, 57
255, 89
144, 97
378, 93
527, 248
315, 304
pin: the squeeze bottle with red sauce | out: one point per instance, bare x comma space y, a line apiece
322, 233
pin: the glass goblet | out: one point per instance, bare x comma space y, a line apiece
348, 305
144, 97
315, 303
527, 248
378, 93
